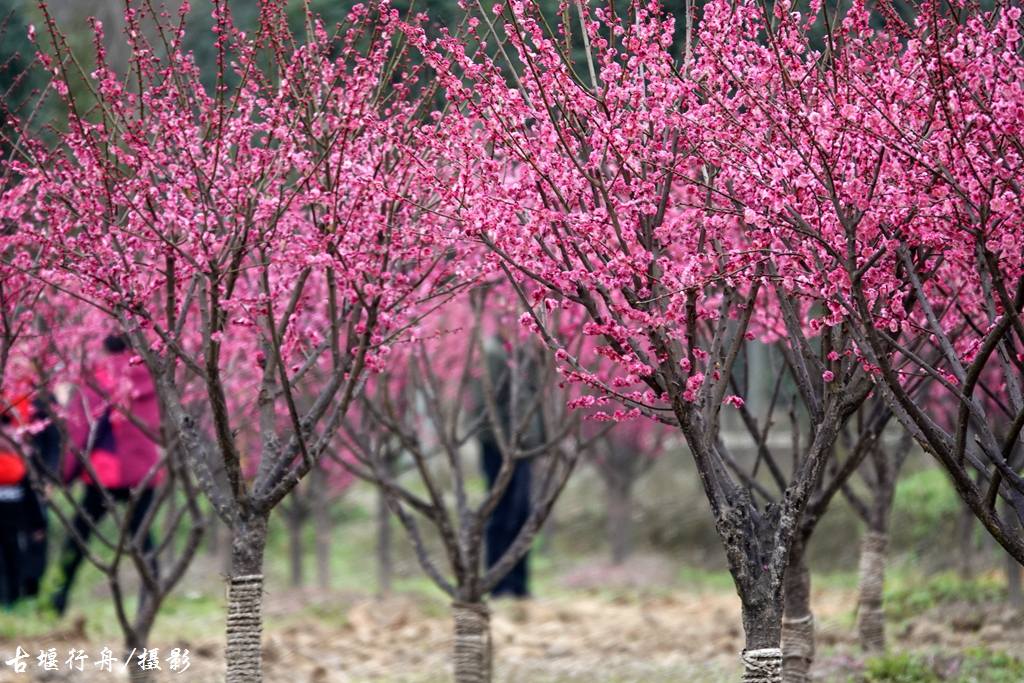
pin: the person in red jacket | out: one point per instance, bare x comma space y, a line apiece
123, 452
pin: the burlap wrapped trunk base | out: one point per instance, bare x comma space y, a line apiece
797, 649
244, 653
472, 642
870, 617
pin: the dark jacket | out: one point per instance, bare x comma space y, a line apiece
502, 381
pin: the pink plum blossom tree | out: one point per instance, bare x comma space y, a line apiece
602, 184
255, 238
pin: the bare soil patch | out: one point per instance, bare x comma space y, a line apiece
666, 635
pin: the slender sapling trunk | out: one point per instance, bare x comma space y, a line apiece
295, 516
322, 525
245, 598
385, 563
798, 620
619, 535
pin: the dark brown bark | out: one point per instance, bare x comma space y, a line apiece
245, 598
798, 620
758, 586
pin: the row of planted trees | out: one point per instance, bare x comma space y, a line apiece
292, 253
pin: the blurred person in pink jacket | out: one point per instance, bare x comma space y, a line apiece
122, 454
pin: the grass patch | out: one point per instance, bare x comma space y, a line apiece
975, 666
909, 595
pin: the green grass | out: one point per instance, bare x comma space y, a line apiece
701, 580
908, 594
975, 666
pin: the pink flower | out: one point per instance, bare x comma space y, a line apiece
828, 376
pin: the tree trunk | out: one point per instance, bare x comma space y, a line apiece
1014, 594
798, 620
171, 512
545, 543
135, 646
136, 674
245, 599
759, 588
762, 626
385, 564
472, 649
870, 617
322, 525
547, 535
295, 518
762, 656
225, 543
618, 522
213, 525
965, 539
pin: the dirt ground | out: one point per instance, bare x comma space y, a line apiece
642, 635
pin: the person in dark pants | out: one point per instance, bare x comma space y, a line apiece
21, 517
122, 454
45, 454
513, 509
508, 518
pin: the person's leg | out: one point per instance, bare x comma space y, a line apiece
490, 461
520, 514
34, 561
495, 529
72, 554
9, 574
36, 549
508, 519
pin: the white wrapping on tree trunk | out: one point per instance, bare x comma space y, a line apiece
762, 666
